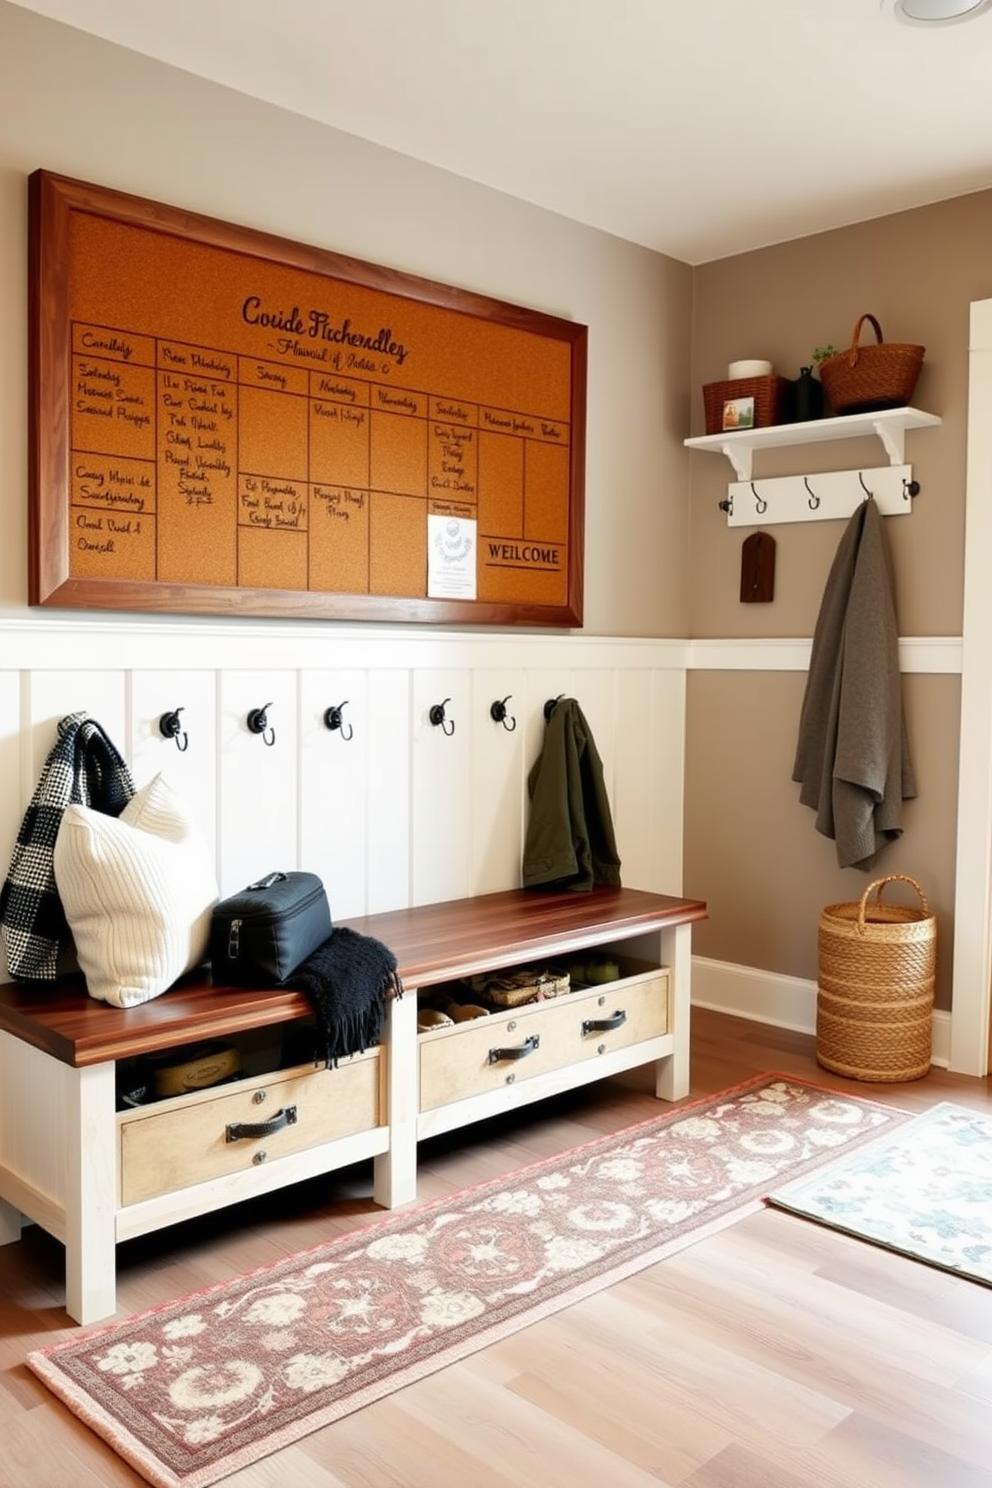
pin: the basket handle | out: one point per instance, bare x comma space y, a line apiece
852, 356
879, 885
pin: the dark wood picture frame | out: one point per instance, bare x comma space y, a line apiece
71, 286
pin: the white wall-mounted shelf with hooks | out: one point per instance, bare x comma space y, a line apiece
804, 498
887, 424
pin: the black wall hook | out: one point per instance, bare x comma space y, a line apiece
170, 728
814, 500
498, 714
333, 720
258, 723
437, 718
551, 705
910, 488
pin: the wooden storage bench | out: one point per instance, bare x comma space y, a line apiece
92, 1175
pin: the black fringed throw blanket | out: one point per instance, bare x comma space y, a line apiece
349, 980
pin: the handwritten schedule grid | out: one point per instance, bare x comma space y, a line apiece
193, 465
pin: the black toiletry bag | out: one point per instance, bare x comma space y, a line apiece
259, 936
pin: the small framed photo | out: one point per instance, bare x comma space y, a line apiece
738, 413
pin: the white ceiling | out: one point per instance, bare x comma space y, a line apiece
700, 129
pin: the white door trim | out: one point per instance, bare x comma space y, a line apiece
969, 1054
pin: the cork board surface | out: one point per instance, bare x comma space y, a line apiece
223, 420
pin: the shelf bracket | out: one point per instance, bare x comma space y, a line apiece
893, 438
741, 456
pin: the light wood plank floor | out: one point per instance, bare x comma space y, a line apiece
772, 1355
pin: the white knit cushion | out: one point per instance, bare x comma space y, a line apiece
138, 891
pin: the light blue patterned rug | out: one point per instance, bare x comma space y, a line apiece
924, 1190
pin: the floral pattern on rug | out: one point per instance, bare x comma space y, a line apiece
926, 1193
197, 1389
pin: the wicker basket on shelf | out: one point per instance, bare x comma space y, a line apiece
771, 400
869, 377
875, 987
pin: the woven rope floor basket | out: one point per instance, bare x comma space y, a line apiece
875, 986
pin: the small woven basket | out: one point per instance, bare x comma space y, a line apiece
875, 986
870, 377
770, 394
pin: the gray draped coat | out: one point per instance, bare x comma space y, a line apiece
852, 758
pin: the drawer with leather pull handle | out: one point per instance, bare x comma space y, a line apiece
485, 1054
177, 1143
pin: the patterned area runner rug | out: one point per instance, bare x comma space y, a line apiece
195, 1390
924, 1190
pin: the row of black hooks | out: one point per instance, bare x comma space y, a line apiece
498, 712
257, 721
910, 488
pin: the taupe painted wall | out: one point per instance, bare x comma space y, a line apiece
751, 849
81, 107
917, 272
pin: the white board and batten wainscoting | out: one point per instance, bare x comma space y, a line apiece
400, 813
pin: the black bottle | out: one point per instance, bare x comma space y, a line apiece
807, 396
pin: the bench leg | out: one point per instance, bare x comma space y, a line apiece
395, 1181
672, 1074
91, 1199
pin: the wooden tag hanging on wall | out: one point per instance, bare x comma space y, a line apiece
758, 569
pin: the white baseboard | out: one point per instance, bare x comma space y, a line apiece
782, 1001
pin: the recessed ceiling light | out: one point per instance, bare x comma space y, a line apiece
935, 12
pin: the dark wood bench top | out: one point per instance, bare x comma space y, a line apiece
432, 943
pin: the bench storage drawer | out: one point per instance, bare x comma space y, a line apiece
484, 1054
191, 1139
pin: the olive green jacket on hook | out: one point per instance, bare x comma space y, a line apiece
570, 843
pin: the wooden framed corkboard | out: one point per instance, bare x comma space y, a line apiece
227, 422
